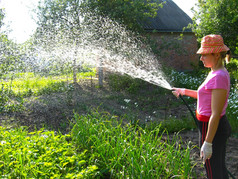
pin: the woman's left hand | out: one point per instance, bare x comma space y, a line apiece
206, 151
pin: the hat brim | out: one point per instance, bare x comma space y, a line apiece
216, 49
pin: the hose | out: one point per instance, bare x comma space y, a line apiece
192, 114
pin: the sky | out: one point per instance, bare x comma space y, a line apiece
19, 16
186, 6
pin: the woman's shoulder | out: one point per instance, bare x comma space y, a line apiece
220, 72
218, 79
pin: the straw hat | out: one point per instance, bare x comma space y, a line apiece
212, 44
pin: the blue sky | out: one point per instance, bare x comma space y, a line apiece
19, 16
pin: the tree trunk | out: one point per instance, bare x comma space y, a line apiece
75, 64
75, 70
100, 73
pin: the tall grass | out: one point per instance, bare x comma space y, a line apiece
128, 151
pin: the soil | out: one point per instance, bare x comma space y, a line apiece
55, 112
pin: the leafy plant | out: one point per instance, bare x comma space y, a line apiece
6, 103
124, 83
232, 110
232, 67
217, 18
41, 154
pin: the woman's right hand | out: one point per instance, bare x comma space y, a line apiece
178, 91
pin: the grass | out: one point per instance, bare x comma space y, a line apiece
27, 84
128, 151
173, 125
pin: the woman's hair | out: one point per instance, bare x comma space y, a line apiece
226, 56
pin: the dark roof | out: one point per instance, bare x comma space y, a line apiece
170, 18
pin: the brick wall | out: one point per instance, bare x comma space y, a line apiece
176, 51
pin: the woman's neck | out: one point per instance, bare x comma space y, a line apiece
218, 66
215, 69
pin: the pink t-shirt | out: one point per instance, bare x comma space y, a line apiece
219, 79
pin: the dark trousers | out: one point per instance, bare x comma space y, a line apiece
215, 166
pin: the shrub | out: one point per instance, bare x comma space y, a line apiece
232, 110
124, 83
232, 67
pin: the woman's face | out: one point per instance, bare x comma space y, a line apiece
209, 60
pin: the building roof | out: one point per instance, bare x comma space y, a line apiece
170, 18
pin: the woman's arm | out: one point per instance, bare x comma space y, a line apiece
184, 91
217, 104
191, 93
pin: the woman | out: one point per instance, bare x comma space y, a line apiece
212, 97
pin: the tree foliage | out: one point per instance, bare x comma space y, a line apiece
65, 15
127, 12
9, 55
8, 50
59, 15
2, 15
217, 17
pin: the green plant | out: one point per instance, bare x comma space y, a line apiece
53, 87
41, 154
128, 151
172, 125
6, 103
232, 110
28, 84
232, 67
124, 83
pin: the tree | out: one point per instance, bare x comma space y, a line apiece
217, 17
65, 14
127, 12
8, 51
2, 15
59, 16
60, 20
